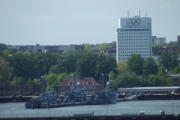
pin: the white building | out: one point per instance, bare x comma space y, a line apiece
134, 37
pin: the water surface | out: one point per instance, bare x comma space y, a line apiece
129, 107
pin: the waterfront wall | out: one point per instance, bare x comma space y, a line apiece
159, 97
141, 97
15, 99
122, 117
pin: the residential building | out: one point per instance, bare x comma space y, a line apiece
111, 51
158, 40
134, 37
89, 84
159, 50
56, 49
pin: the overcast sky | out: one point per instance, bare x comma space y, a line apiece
50, 22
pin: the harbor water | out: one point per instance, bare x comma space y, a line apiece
18, 110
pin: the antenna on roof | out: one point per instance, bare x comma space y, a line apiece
139, 12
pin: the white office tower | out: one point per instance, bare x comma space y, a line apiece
134, 37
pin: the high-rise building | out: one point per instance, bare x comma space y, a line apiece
134, 37
178, 38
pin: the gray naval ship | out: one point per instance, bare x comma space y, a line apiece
77, 96
106, 95
45, 99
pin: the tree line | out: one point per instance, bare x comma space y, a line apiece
20, 68
146, 72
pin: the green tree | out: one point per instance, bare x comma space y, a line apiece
6, 71
18, 81
122, 67
23, 64
29, 65
173, 44
169, 60
105, 64
127, 79
3, 46
175, 70
112, 75
54, 69
86, 64
135, 64
66, 62
53, 80
159, 80
150, 66
42, 62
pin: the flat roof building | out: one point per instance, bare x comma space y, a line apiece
145, 89
158, 40
134, 37
178, 38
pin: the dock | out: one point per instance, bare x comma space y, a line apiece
104, 117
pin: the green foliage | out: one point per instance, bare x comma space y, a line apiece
135, 64
54, 69
112, 75
25, 67
99, 46
122, 66
169, 60
127, 79
173, 44
86, 64
67, 61
43, 62
3, 46
158, 80
150, 66
36, 81
53, 80
6, 71
17, 81
175, 70
30, 64
104, 64
160, 45
30, 82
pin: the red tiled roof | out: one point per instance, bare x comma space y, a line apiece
84, 82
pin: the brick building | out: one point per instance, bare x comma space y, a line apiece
89, 84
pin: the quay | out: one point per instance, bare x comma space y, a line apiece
15, 99
104, 117
141, 97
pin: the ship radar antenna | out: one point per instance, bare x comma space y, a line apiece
128, 14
